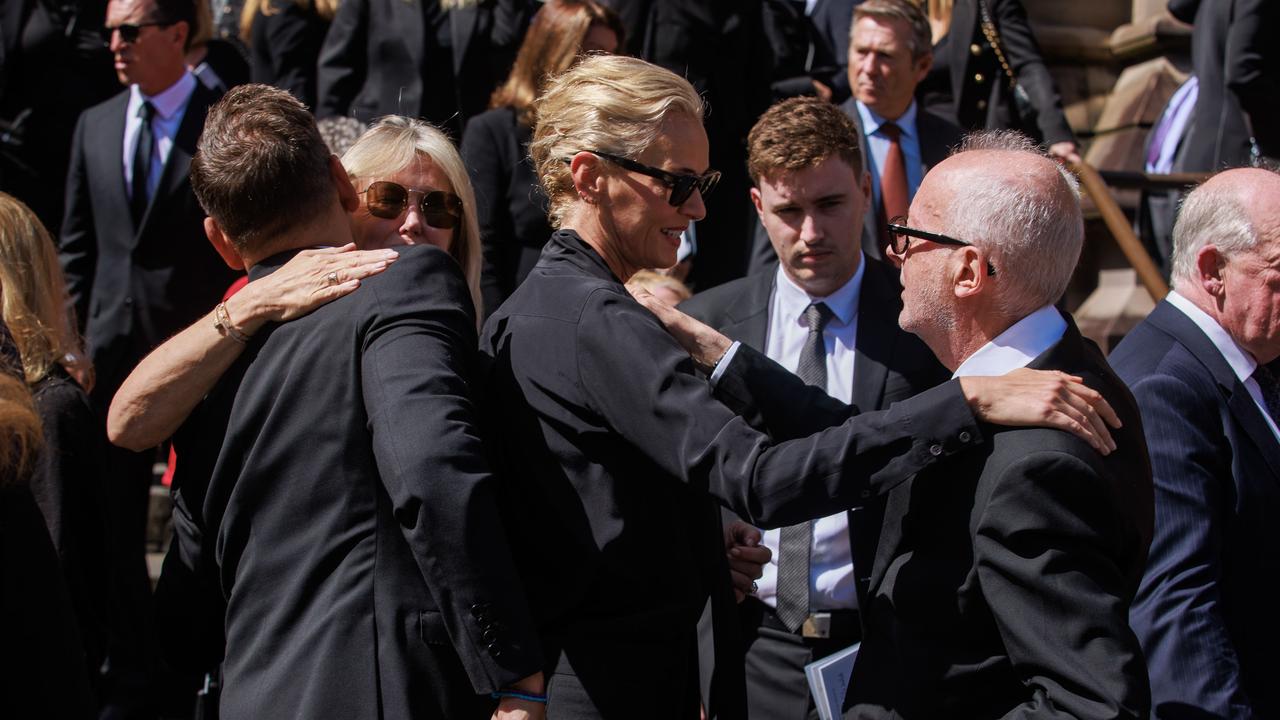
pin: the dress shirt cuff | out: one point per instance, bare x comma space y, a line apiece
723, 363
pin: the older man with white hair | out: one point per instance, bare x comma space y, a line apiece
1003, 576
1199, 368
1001, 582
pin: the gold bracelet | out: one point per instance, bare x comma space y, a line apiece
222, 323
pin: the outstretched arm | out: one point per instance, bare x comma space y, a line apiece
162, 391
1021, 398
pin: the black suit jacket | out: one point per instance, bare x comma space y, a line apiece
1003, 577
613, 443
1232, 53
510, 204
371, 62
131, 287
350, 515
952, 87
1205, 617
890, 364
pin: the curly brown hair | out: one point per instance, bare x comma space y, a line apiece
801, 132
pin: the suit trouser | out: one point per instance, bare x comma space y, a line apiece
775, 660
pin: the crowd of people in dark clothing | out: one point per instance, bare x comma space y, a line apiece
389, 288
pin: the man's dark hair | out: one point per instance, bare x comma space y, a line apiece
169, 12
801, 132
261, 166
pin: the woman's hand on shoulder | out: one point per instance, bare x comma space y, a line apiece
310, 279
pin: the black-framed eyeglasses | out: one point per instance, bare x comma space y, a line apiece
682, 186
388, 200
900, 235
129, 32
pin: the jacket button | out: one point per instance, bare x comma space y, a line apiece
935, 449
975, 49
982, 104
494, 650
128, 301
965, 436
490, 636
979, 78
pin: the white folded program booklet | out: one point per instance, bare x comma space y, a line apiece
829, 680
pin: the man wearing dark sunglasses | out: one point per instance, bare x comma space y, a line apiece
132, 245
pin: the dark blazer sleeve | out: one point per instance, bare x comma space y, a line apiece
490, 170
778, 400
1178, 613
418, 367
1044, 550
77, 242
1023, 53
341, 67
665, 410
1248, 73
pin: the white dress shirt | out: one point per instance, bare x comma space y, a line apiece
831, 581
170, 105
1017, 346
1242, 363
878, 147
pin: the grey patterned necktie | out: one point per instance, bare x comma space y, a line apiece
794, 541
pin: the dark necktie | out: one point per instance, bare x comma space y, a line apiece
794, 541
141, 164
1270, 390
894, 201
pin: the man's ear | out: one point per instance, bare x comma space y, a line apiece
969, 271
223, 244
922, 66
181, 31
757, 201
347, 195
1209, 264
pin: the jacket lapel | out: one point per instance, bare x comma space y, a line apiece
749, 317
108, 160
1239, 401
876, 334
462, 27
409, 23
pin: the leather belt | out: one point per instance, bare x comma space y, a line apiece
823, 625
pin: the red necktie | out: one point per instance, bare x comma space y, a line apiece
893, 178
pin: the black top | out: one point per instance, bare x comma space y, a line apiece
611, 444
510, 204
284, 47
68, 486
968, 85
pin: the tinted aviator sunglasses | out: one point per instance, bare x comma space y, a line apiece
129, 32
682, 185
388, 200
900, 235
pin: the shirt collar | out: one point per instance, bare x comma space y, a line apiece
871, 122
843, 302
1017, 346
167, 101
1241, 362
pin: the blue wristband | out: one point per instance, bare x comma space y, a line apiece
542, 699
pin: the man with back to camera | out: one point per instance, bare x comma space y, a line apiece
363, 566
1201, 366
805, 158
